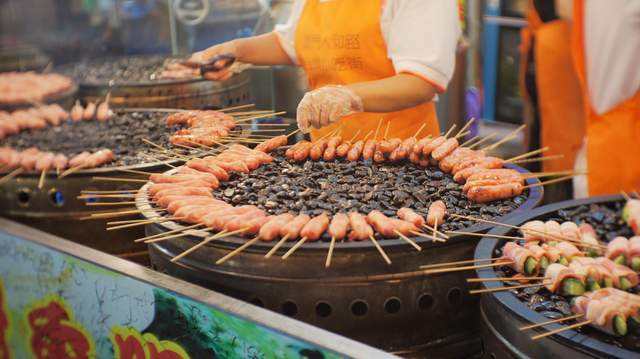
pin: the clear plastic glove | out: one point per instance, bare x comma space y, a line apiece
326, 105
211, 52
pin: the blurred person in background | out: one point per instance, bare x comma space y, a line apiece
367, 62
606, 49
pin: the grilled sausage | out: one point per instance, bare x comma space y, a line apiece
77, 111
409, 215
343, 149
313, 229
183, 191
45, 161
446, 164
60, 162
368, 149
355, 151
429, 147
419, 146
271, 229
204, 166
339, 226
290, 152
378, 157
484, 194
381, 224
272, 143
332, 146
302, 153
89, 111
360, 229
317, 149
445, 149
79, 159
292, 228
404, 227
437, 211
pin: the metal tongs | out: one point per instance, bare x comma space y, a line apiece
212, 64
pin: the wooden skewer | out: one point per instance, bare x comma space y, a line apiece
293, 132
577, 325
278, 245
386, 130
98, 204
129, 225
354, 136
382, 252
502, 289
263, 130
547, 174
531, 326
227, 109
463, 268
485, 139
408, 240
327, 263
506, 138
72, 170
462, 134
375, 137
423, 235
238, 250
121, 213
165, 233
367, 136
485, 235
549, 182
144, 173
436, 230
467, 142
294, 248
415, 135
427, 266
113, 223
446, 135
92, 196
477, 280
41, 181
165, 238
255, 112
251, 118
119, 179
127, 191
204, 242
539, 159
527, 154
625, 195
465, 127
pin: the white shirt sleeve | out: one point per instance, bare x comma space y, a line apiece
421, 37
286, 32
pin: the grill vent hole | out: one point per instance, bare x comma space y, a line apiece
56, 197
392, 305
323, 309
24, 196
425, 301
257, 301
289, 308
454, 296
359, 308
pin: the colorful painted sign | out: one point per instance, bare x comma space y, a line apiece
53, 305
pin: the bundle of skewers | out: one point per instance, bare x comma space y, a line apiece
185, 194
569, 260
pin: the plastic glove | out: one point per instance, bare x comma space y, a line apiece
326, 105
204, 55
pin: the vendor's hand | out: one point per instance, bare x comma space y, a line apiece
213, 51
326, 105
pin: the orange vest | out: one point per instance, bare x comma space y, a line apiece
558, 89
339, 42
612, 137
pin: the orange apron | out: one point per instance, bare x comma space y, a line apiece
612, 137
558, 89
339, 42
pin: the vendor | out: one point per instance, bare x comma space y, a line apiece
606, 49
368, 62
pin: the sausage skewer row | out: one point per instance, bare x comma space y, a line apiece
186, 194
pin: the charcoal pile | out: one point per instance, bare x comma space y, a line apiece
122, 134
116, 71
343, 186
